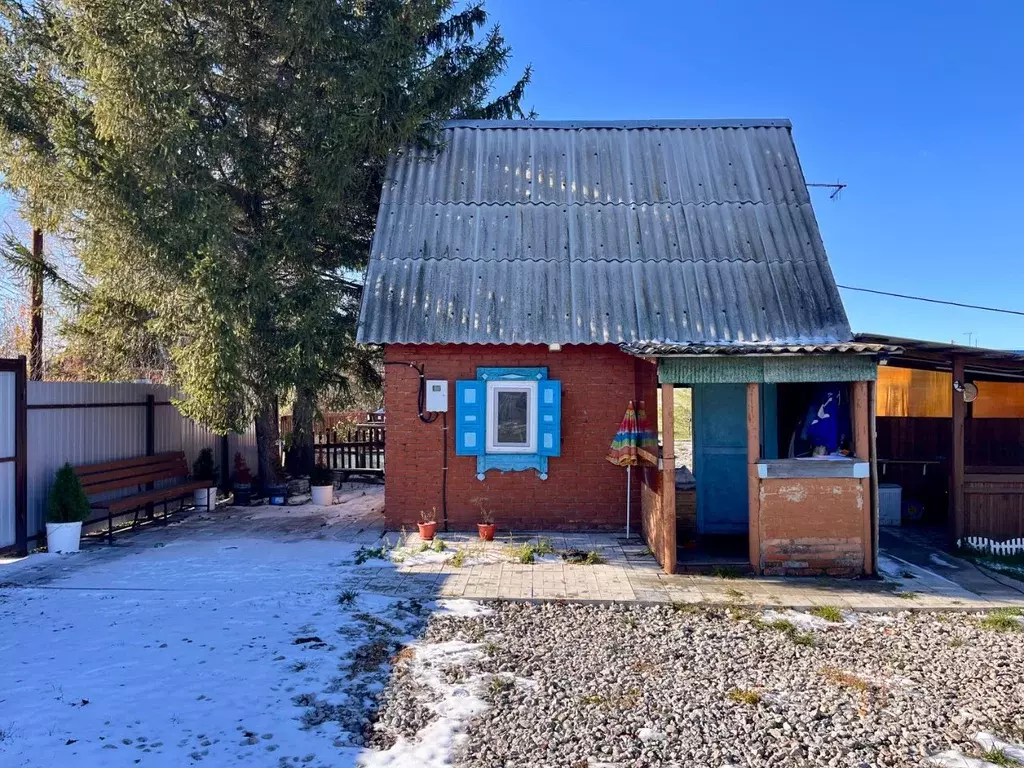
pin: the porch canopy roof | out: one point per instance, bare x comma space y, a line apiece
763, 363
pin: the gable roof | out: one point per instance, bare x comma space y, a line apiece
675, 231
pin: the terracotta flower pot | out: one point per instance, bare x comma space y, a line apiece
427, 530
486, 531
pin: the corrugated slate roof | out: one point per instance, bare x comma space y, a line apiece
560, 232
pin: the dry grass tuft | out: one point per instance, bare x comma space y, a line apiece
747, 696
845, 679
405, 655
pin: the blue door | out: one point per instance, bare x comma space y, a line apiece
720, 457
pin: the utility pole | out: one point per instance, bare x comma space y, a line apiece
35, 357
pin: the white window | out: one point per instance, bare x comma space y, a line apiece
511, 417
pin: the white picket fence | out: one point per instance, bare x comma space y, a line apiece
981, 544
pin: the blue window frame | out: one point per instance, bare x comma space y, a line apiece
510, 419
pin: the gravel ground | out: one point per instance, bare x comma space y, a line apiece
573, 685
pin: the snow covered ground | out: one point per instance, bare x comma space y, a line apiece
177, 650
648, 686
912, 578
278, 637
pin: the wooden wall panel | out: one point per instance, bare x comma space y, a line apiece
994, 506
999, 400
995, 442
990, 443
912, 392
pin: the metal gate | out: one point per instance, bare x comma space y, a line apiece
13, 461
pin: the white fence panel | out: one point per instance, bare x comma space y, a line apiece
7, 416
8, 402
84, 435
94, 433
7, 509
1006, 548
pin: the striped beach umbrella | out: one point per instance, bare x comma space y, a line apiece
625, 451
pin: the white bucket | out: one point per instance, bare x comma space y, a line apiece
890, 504
323, 495
63, 537
205, 498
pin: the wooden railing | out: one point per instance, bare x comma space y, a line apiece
357, 451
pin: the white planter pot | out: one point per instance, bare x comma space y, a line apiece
205, 498
323, 495
63, 537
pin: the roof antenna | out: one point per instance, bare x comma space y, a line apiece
836, 188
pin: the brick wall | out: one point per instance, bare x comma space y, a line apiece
583, 490
812, 527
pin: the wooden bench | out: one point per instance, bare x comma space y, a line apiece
138, 473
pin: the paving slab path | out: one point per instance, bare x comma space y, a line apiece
626, 571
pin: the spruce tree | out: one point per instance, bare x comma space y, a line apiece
67, 502
217, 167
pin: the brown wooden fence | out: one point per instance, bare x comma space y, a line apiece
915, 453
357, 451
994, 502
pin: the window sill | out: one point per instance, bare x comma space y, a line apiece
809, 468
511, 462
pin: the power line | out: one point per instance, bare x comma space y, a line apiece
933, 301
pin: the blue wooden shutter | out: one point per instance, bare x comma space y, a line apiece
470, 404
549, 414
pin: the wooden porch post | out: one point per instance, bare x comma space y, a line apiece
873, 436
667, 513
753, 482
956, 496
862, 450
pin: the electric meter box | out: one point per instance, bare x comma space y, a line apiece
437, 396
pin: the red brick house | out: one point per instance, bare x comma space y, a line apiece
542, 275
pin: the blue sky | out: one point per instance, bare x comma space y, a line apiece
917, 106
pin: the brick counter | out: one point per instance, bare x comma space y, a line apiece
812, 526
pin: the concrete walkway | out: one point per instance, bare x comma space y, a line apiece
921, 550
626, 570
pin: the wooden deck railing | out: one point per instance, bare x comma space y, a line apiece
358, 451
